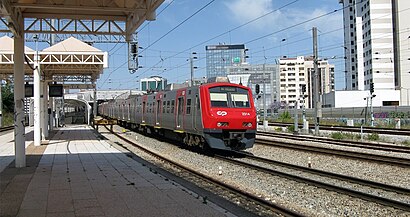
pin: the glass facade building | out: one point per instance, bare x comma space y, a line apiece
219, 57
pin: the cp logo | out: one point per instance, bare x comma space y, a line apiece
221, 113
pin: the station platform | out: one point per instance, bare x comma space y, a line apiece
79, 174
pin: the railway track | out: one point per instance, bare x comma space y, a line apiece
386, 131
397, 161
272, 206
380, 193
356, 144
3, 129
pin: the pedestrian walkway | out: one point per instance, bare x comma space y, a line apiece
78, 174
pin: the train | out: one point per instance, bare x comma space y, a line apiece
218, 115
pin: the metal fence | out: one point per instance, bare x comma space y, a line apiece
382, 114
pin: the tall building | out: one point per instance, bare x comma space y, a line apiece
376, 47
250, 75
298, 72
218, 57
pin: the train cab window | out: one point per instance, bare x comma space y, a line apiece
219, 99
240, 100
168, 107
227, 96
164, 105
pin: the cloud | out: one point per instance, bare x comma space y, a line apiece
245, 10
242, 11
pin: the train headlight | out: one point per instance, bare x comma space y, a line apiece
222, 124
247, 124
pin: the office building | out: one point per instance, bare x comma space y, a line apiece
219, 57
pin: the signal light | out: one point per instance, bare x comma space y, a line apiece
372, 87
303, 88
257, 89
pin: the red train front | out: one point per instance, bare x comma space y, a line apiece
228, 115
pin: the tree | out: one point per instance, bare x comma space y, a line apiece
7, 96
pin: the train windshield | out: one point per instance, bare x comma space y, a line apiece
229, 97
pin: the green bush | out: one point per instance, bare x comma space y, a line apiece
337, 135
406, 142
373, 137
285, 117
278, 129
290, 128
8, 119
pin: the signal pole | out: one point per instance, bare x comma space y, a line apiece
191, 59
316, 82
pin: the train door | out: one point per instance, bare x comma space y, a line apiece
195, 112
129, 112
157, 114
180, 111
143, 111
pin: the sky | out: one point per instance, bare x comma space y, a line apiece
182, 27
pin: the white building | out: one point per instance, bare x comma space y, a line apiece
153, 83
376, 48
297, 72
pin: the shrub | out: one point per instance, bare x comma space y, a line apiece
337, 135
8, 119
291, 128
406, 142
373, 137
285, 117
278, 129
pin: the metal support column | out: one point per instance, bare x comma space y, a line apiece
19, 133
37, 100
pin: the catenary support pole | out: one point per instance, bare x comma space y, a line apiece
316, 81
265, 122
19, 132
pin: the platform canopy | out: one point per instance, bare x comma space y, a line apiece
7, 56
88, 17
69, 58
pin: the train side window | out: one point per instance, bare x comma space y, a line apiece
168, 106
188, 106
164, 104
172, 106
